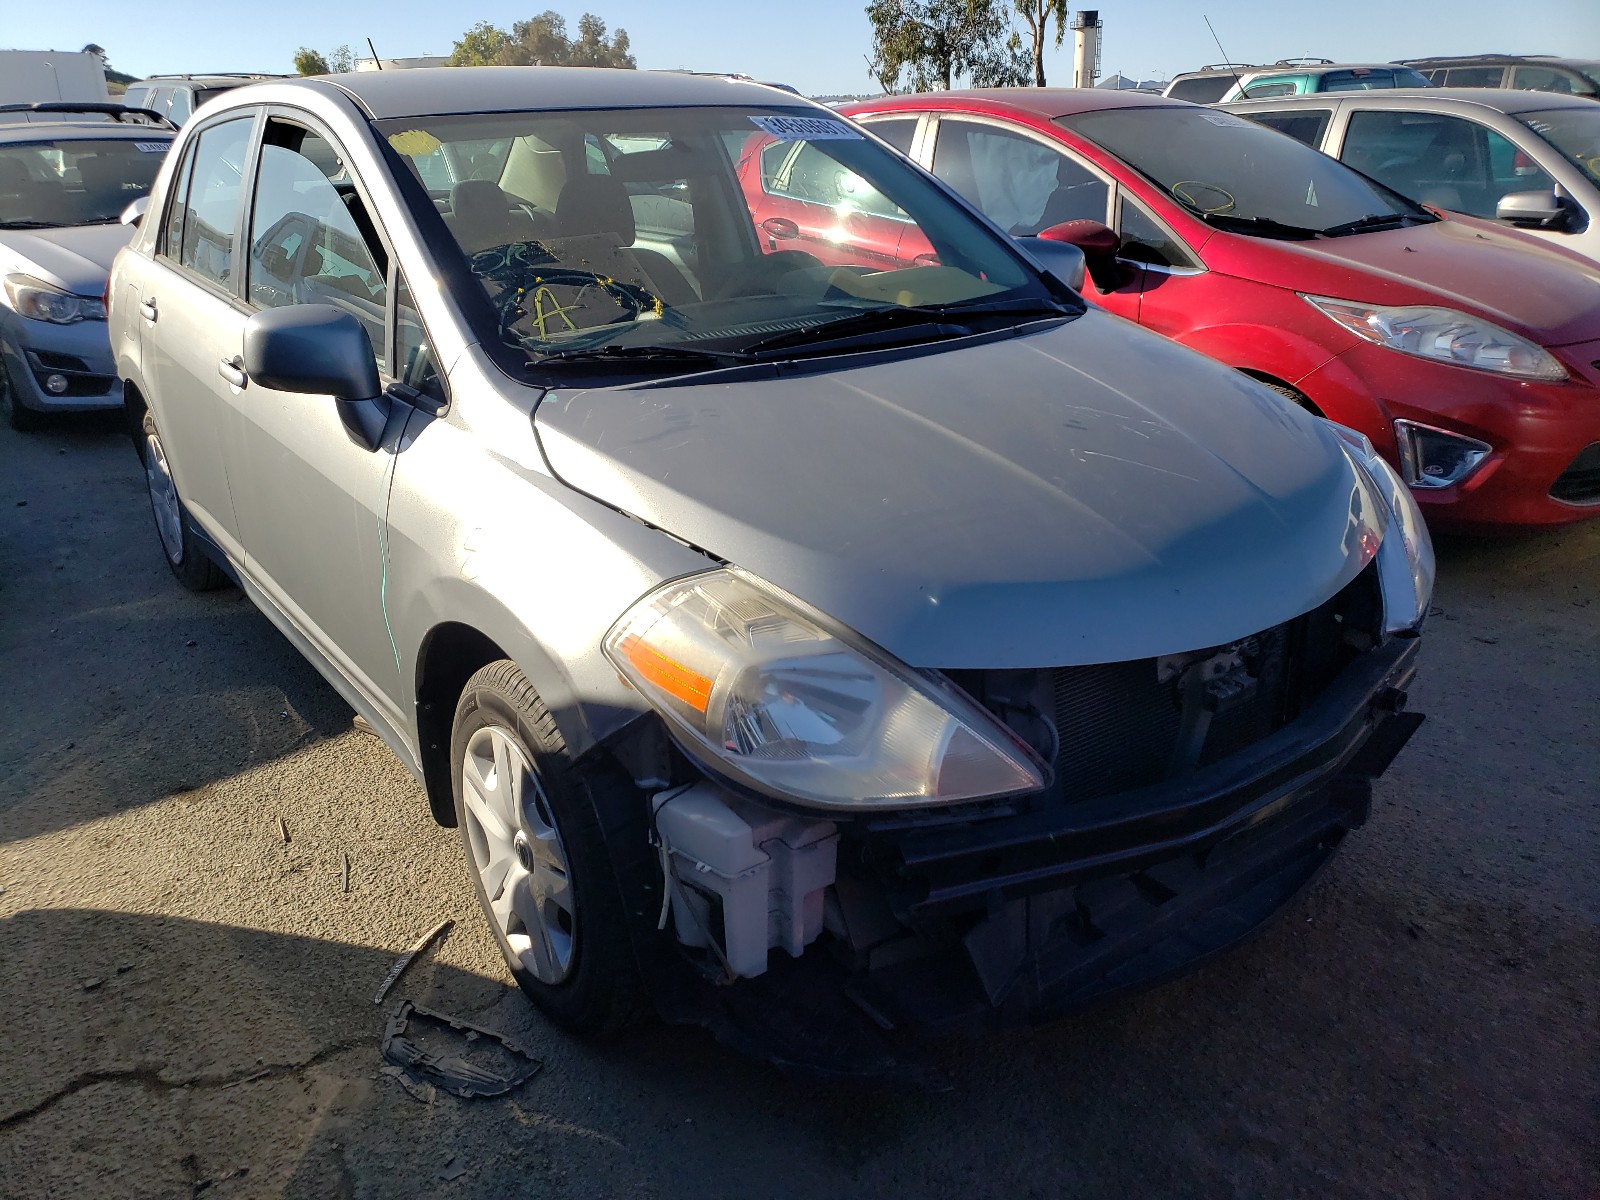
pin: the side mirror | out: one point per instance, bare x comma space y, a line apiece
1099, 245
134, 213
1063, 261
322, 351
1533, 210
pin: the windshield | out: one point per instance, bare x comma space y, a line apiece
683, 232
1573, 131
76, 181
1241, 175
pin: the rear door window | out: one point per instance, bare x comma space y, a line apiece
1020, 184
210, 220
1476, 77
1269, 86
1306, 126
1542, 79
181, 107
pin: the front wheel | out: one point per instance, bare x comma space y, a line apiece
23, 420
537, 859
189, 563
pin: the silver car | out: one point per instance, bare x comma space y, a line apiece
66, 176
1528, 159
809, 643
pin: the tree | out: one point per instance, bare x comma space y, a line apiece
484, 45
314, 62
934, 42
310, 62
543, 41
1036, 15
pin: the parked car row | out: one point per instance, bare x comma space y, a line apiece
772, 541
1223, 82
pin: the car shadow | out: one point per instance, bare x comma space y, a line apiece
168, 1056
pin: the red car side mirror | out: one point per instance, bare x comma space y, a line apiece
1099, 244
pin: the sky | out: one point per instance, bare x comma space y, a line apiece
818, 46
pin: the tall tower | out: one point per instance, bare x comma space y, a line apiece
1086, 47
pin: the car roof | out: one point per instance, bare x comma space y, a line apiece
1324, 68
62, 131
217, 77
1448, 60
440, 91
1048, 103
1506, 100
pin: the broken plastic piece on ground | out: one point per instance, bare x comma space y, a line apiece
447, 1053
404, 961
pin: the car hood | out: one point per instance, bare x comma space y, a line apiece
1091, 493
1519, 282
75, 258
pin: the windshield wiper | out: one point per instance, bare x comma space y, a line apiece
1375, 221
27, 225
630, 354
1268, 225
946, 320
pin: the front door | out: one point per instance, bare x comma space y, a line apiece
1025, 184
311, 502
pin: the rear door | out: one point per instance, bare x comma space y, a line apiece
192, 319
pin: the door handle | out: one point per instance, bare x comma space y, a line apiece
147, 310
232, 369
781, 228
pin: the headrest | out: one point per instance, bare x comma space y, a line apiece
479, 201
595, 204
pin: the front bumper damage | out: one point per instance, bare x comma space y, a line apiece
969, 921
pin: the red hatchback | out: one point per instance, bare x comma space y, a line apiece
1468, 353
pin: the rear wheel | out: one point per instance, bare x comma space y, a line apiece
536, 856
188, 562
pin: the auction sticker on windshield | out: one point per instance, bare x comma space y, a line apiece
806, 129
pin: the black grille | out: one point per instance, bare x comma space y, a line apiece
1580, 482
1131, 724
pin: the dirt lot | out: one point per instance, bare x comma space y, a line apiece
188, 999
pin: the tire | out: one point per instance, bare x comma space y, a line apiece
190, 565
23, 420
555, 909
1289, 394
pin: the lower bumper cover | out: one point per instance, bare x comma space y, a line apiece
1026, 917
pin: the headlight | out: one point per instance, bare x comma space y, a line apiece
1405, 559
40, 301
780, 699
1444, 335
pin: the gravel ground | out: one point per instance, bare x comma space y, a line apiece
188, 997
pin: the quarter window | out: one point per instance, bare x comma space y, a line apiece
1144, 239
415, 364
1542, 79
210, 216
1020, 184
311, 241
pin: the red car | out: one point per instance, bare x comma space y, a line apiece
1468, 353
804, 200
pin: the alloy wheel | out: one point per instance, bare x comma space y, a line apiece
518, 855
163, 498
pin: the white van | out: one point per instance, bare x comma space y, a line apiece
28, 76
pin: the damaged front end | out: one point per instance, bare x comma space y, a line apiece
1189, 797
